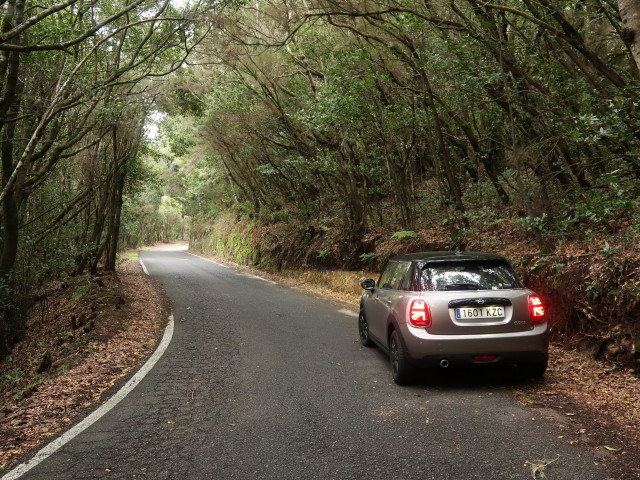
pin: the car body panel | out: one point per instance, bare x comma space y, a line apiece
379, 306
516, 312
492, 322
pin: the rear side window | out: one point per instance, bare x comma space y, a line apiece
394, 276
469, 275
387, 274
409, 280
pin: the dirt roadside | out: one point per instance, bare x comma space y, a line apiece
119, 319
85, 335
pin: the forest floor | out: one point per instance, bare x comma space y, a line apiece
87, 334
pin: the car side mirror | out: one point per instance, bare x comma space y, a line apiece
368, 284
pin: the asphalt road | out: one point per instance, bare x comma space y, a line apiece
261, 381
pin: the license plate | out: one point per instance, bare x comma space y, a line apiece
479, 312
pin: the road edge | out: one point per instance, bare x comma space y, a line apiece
77, 429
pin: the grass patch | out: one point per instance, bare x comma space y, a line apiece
344, 282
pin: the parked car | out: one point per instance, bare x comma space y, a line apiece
448, 309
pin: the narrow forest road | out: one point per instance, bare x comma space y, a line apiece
261, 381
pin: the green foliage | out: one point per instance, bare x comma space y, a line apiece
404, 234
79, 292
443, 117
14, 376
151, 219
367, 257
227, 238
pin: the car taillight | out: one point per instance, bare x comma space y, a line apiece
419, 315
536, 309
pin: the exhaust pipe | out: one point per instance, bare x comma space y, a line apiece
444, 363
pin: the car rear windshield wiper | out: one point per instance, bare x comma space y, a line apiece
462, 286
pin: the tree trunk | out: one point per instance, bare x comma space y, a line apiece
10, 219
630, 14
10, 324
113, 232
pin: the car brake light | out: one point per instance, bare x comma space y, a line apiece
536, 309
419, 315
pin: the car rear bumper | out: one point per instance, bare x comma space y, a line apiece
462, 350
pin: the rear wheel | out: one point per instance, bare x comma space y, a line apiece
534, 369
363, 330
400, 369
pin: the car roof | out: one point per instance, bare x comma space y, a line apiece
447, 257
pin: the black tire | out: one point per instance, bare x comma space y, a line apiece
363, 331
534, 369
401, 371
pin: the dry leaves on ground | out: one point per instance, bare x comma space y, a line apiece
89, 360
596, 405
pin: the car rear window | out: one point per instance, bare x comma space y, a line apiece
469, 275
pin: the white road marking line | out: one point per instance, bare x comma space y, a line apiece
207, 259
69, 435
239, 272
144, 267
256, 277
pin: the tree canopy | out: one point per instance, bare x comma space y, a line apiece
342, 117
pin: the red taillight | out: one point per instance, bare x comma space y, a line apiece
419, 315
536, 309
484, 358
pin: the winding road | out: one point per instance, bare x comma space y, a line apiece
262, 381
